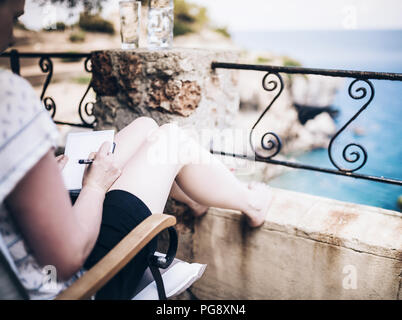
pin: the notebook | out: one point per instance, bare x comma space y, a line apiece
80, 145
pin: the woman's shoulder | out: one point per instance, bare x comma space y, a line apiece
10, 80
27, 131
17, 94
19, 105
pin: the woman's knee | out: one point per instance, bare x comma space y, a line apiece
175, 144
130, 138
148, 124
170, 133
140, 126
170, 127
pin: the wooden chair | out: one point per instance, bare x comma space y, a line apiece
86, 286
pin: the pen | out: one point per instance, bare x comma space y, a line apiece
87, 161
90, 161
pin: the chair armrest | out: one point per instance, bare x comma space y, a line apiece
117, 258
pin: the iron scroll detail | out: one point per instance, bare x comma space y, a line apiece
46, 65
270, 141
353, 152
354, 155
84, 110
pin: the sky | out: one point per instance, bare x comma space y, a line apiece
305, 14
269, 15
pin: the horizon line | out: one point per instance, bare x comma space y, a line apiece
315, 30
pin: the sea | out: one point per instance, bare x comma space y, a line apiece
379, 126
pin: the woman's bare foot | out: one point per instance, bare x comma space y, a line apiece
259, 204
198, 209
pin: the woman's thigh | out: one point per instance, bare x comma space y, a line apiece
129, 139
151, 171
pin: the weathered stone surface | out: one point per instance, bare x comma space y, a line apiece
130, 68
308, 248
187, 99
175, 96
184, 227
175, 85
103, 82
109, 110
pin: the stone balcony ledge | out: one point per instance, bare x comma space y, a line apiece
308, 248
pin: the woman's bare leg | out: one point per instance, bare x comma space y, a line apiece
149, 174
128, 142
129, 139
178, 194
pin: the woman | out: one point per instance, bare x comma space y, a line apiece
39, 224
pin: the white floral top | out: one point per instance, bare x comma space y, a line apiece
26, 134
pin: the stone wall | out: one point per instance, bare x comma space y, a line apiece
167, 85
308, 248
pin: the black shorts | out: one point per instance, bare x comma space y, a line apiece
122, 212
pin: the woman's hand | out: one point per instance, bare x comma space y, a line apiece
103, 172
62, 161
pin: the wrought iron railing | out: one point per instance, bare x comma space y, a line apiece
47, 67
353, 153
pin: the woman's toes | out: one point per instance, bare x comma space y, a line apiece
199, 209
261, 202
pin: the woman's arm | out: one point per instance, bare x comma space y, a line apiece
59, 234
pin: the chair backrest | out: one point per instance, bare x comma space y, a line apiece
10, 286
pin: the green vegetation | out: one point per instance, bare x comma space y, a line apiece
90, 6
399, 202
188, 17
223, 31
59, 26
181, 29
20, 26
71, 59
95, 23
290, 62
82, 80
263, 60
77, 36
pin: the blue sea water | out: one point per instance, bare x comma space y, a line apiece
368, 50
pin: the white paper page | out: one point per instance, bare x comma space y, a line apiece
80, 145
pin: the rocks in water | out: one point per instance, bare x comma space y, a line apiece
306, 112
